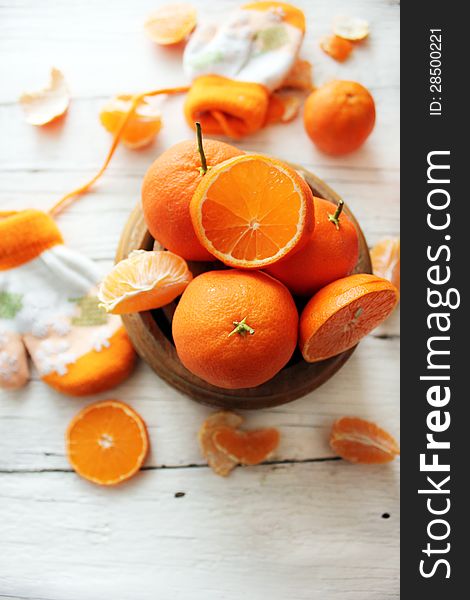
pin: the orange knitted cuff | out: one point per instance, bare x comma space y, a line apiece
24, 235
225, 106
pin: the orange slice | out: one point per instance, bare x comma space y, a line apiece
247, 447
342, 313
252, 210
350, 28
142, 126
45, 105
107, 442
144, 281
386, 260
219, 462
361, 441
170, 24
337, 47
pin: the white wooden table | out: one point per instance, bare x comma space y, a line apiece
306, 527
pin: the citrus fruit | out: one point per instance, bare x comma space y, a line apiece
339, 116
350, 28
219, 462
142, 126
361, 441
330, 253
247, 447
252, 210
43, 106
337, 47
170, 24
342, 313
235, 329
107, 442
385, 257
144, 281
167, 190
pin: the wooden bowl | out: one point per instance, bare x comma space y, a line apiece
150, 331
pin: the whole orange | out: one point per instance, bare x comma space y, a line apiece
235, 329
339, 116
331, 253
167, 190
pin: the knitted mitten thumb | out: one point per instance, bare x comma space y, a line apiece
49, 309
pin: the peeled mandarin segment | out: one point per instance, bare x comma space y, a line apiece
144, 281
288, 13
338, 48
142, 126
386, 260
342, 313
350, 28
171, 24
219, 462
45, 105
361, 441
251, 210
107, 442
300, 76
247, 447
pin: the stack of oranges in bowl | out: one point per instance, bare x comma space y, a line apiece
237, 325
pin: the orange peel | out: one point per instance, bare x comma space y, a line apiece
336, 47
47, 104
353, 29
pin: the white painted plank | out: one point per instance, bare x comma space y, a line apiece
33, 421
309, 532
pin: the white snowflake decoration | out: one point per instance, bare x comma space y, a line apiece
8, 366
54, 356
101, 339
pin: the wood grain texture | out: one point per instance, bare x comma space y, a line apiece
150, 330
299, 529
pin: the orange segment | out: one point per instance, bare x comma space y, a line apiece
361, 441
386, 260
247, 447
219, 462
144, 281
107, 442
251, 210
342, 313
337, 47
142, 126
289, 14
171, 24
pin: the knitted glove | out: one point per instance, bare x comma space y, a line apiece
236, 65
48, 309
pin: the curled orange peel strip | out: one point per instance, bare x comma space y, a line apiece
66, 200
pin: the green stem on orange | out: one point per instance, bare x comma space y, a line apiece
335, 218
242, 328
200, 147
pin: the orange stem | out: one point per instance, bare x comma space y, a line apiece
66, 200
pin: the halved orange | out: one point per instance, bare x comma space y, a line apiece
342, 313
142, 126
107, 442
361, 441
252, 210
171, 24
144, 281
